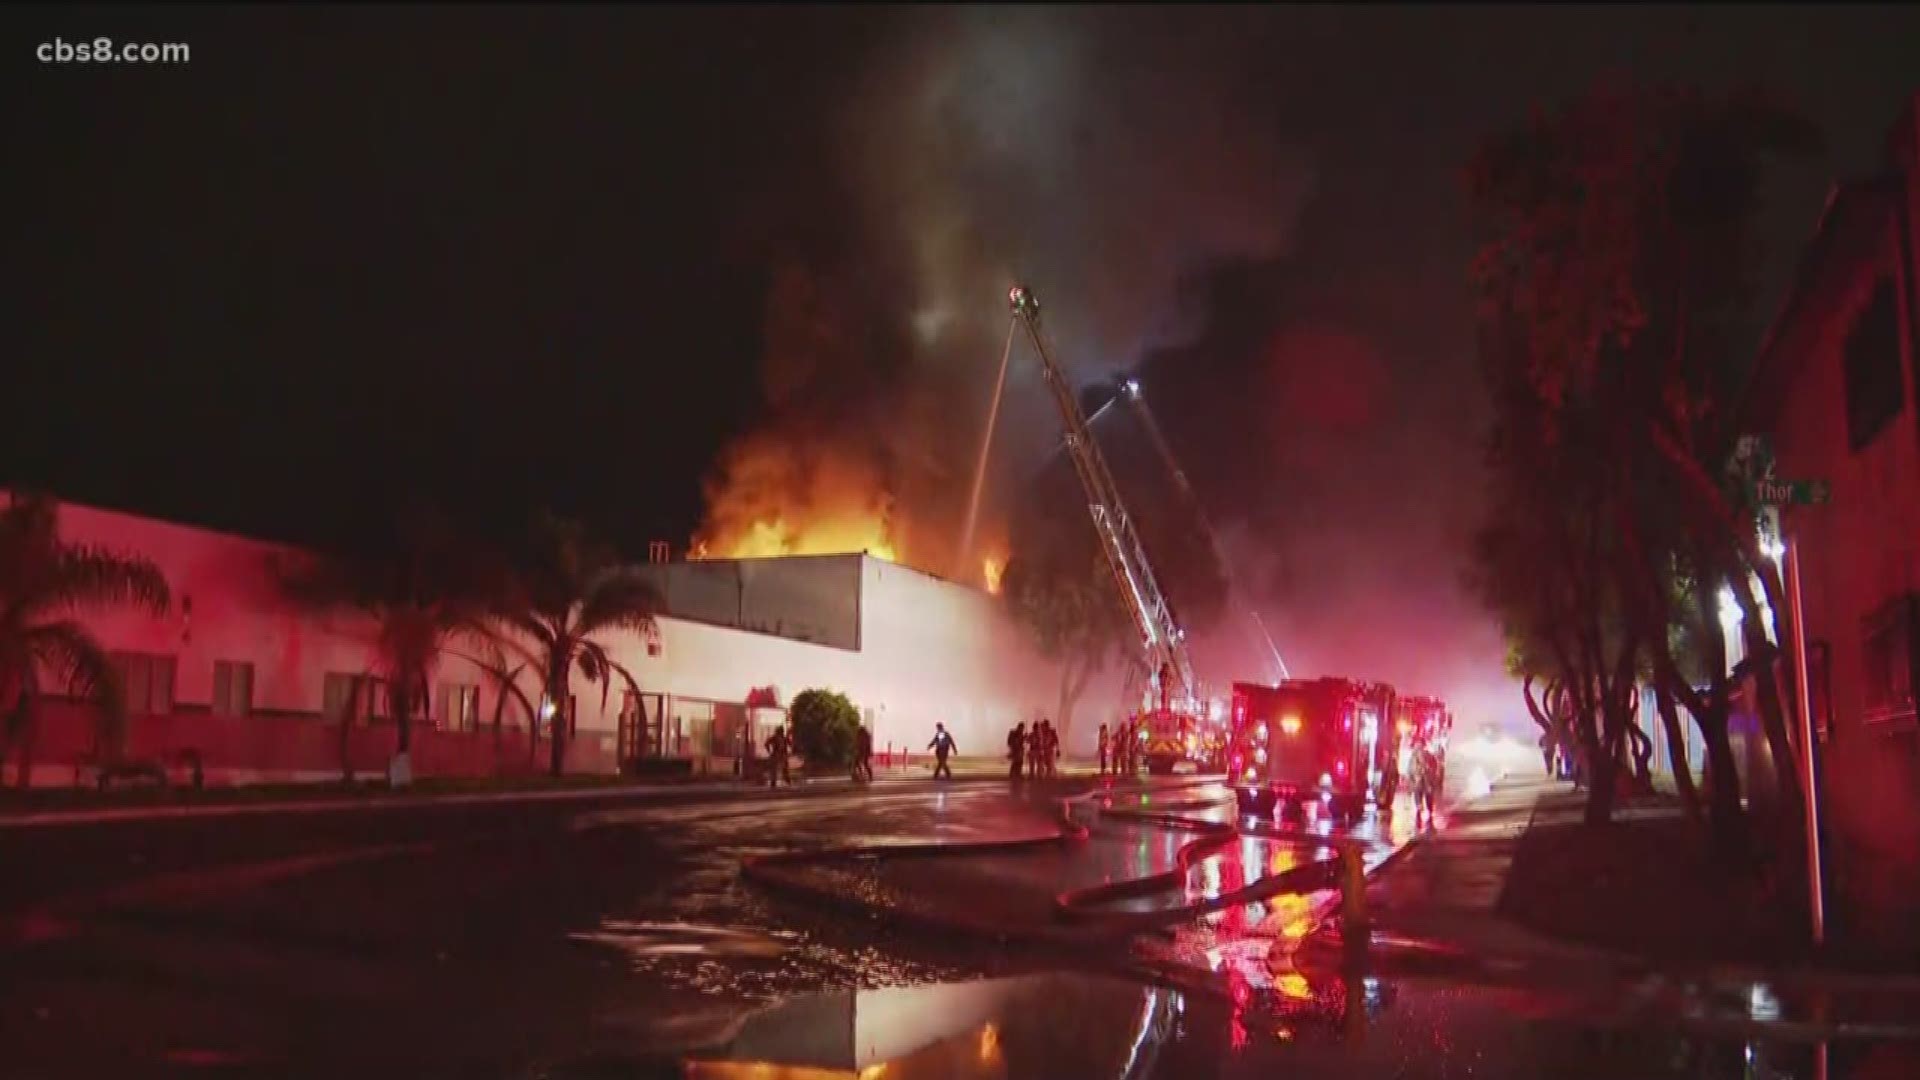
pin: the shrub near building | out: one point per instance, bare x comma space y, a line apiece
825, 727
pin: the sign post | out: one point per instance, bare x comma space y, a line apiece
1809, 748
1753, 467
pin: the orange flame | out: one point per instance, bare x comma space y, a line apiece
990, 570
772, 497
778, 493
771, 538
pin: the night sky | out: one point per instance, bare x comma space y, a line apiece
347, 260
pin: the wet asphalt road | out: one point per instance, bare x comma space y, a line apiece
601, 937
472, 940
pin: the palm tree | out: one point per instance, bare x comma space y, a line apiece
44, 583
422, 592
570, 593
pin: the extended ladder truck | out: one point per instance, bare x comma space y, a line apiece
1170, 732
1215, 732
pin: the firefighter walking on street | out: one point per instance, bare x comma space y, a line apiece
1426, 781
942, 747
1105, 746
863, 756
779, 745
1017, 748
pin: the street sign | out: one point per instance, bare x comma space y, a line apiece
1770, 492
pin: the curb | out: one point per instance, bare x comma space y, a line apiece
723, 791
1319, 913
1626, 966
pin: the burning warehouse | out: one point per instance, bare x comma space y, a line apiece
257, 689
909, 648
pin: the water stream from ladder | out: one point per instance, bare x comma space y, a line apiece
986, 448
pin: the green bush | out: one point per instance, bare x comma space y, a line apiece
825, 727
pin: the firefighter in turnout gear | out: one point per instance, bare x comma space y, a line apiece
779, 747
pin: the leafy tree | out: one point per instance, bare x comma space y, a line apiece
423, 589
44, 583
1613, 283
567, 595
1540, 564
1070, 605
825, 727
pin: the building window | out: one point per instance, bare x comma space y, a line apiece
1891, 661
146, 682
1875, 394
337, 696
379, 701
1820, 661
232, 688
457, 707
691, 734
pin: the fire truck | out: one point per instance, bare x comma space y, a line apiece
1310, 741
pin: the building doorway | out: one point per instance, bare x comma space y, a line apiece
639, 730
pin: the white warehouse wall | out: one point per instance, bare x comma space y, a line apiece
931, 650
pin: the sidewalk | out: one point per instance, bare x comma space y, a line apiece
237, 802
1460, 890
921, 767
1448, 885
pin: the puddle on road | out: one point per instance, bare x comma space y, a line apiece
773, 948
1234, 1001
1064, 1025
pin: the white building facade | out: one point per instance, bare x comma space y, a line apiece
255, 689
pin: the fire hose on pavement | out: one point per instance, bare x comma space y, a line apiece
1083, 917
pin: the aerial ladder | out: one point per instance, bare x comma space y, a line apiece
1263, 641
1131, 388
1169, 729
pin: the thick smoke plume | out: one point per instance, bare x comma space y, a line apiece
1098, 156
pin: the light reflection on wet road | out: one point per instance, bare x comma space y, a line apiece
1060, 1025
1247, 1009
555, 940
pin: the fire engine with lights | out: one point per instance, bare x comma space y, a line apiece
1306, 742
1175, 727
